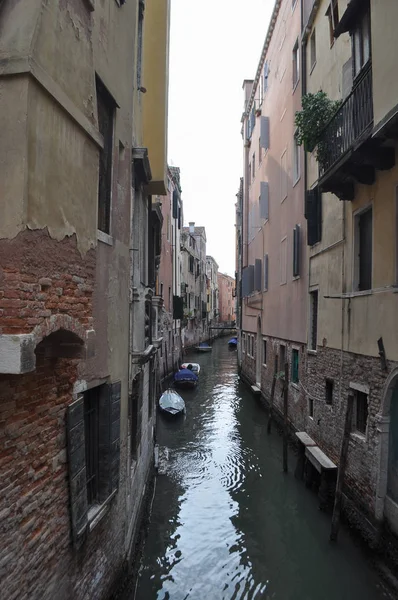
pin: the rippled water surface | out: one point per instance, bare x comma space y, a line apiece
226, 523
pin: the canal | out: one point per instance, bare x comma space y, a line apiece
226, 523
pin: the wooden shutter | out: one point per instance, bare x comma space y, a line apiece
265, 272
296, 251
77, 468
264, 133
264, 200
313, 214
250, 277
175, 204
109, 440
257, 274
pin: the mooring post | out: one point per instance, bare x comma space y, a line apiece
285, 422
341, 472
272, 394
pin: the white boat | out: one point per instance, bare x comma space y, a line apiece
195, 367
171, 403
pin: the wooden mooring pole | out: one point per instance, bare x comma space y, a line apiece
341, 473
285, 421
271, 402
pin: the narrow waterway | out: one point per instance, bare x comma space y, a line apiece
226, 523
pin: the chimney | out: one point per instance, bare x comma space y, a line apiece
192, 227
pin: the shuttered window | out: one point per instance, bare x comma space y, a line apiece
296, 251
106, 111
313, 214
93, 435
264, 200
265, 272
247, 281
257, 274
264, 133
175, 204
313, 333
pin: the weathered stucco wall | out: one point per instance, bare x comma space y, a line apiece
384, 65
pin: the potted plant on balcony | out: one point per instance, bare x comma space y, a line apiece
317, 110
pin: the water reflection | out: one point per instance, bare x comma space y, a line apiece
226, 522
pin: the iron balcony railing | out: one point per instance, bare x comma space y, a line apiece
351, 121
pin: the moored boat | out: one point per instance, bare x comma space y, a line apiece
185, 378
171, 403
203, 347
195, 367
232, 343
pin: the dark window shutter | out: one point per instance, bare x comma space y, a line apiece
296, 251
109, 440
313, 214
265, 272
175, 204
264, 200
178, 307
77, 468
179, 218
264, 133
250, 277
257, 274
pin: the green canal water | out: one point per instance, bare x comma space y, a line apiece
226, 522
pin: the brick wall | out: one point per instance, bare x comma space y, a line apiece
39, 278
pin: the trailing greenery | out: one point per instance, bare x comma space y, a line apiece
317, 110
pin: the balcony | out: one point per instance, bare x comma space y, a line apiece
348, 152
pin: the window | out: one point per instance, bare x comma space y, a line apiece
106, 112
91, 426
161, 290
296, 160
361, 43
249, 174
140, 42
295, 366
284, 176
296, 64
283, 261
333, 15
329, 391
311, 407
244, 343
169, 298
264, 352
360, 411
313, 49
296, 251
252, 346
265, 272
313, 333
313, 214
363, 224
254, 165
282, 357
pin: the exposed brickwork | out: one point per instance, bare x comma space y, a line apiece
40, 277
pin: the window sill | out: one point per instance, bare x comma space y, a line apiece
104, 237
361, 293
296, 277
97, 513
295, 385
264, 365
360, 437
296, 181
313, 352
295, 85
90, 5
283, 199
312, 67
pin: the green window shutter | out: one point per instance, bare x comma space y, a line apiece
109, 440
77, 468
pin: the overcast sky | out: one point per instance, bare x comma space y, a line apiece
215, 45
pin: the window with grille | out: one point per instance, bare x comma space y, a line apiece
295, 365
360, 411
329, 392
106, 112
264, 352
313, 333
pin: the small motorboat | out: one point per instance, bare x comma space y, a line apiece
185, 378
232, 343
171, 403
195, 367
203, 347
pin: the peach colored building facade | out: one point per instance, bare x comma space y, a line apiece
274, 269
226, 297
